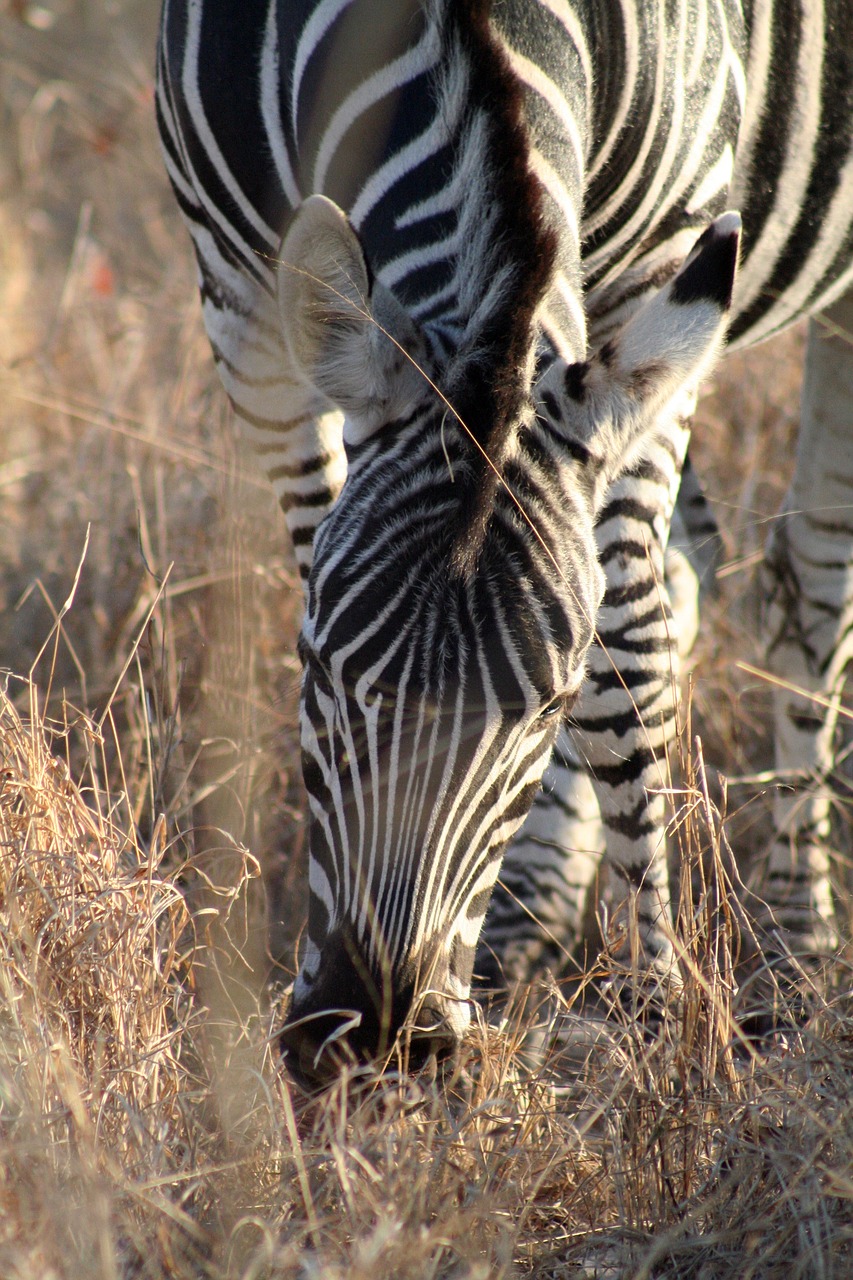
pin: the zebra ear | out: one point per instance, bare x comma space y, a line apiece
347, 335
606, 408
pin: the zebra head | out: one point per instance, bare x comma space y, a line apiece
450, 607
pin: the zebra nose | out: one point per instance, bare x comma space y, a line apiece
318, 1044
431, 1036
315, 1047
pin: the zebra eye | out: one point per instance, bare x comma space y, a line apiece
559, 706
554, 708
319, 674
322, 679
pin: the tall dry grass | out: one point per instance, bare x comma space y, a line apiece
150, 814
136, 1139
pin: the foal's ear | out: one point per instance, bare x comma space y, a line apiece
347, 335
606, 408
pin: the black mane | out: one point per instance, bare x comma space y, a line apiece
490, 389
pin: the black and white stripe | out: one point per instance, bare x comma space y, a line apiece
521, 184
788, 167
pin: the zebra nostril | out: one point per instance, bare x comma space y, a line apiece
316, 1047
432, 1035
439, 1042
317, 1044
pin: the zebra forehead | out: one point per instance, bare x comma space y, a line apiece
481, 640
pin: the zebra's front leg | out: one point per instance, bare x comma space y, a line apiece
620, 737
807, 624
626, 722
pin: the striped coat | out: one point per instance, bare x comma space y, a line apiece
452, 384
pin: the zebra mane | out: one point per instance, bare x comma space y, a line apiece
505, 268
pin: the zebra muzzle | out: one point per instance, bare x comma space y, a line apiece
342, 1024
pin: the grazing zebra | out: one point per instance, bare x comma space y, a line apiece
521, 184
790, 172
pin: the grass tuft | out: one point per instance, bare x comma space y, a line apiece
676, 1150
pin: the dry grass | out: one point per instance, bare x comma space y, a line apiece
147, 751
139, 1139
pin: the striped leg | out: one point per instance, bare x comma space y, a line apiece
627, 715
807, 584
621, 734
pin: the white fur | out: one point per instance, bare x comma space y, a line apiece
357, 348
663, 347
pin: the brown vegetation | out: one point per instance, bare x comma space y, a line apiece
148, 758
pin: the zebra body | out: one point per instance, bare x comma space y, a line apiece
515, 199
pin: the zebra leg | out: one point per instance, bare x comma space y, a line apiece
540, 901
807, 593
613, 763
627, 717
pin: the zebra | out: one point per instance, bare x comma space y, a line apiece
447, 270
791, 168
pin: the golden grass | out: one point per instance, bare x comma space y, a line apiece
138, 1140
148, 758
90, 1077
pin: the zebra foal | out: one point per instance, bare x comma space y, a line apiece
446, 270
